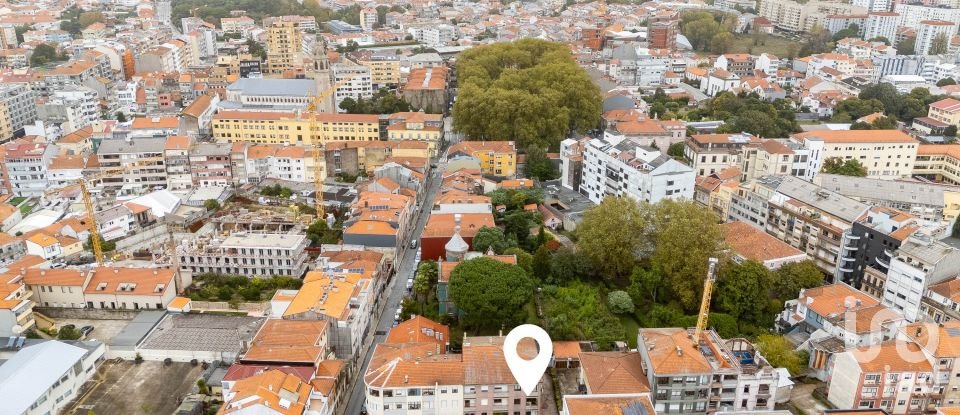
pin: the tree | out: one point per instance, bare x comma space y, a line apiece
946, 81
687, 235
541, 263
45, 53
780, 353
256, 49
348, 104
950, 131
202, 387
939, 44
613, 235
319, 233
529, 90
121, 117
89, 18
836, 165
791, 278
107, 246
851, 31
538, 166
490, 293
881, 39
742, 291
907, 46
20, 30
620, 302
854, 108
211, 204
818, 41
645, 283
721, 42
524, 259
676, 150
68, 333
568, 265
490, 237
421, 286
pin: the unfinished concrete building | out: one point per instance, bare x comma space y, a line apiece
245, 253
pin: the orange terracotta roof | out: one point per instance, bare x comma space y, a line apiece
179, 303
941, 340
397, 365
892, 356
607, 405
370, 227
613, 372
136, 281
833, 299
662, 347
324, 294
420, 329
142, 123
289, 341
566, 350
268, 390
54, 277
442, 225
178, 142
198, 106
755, 244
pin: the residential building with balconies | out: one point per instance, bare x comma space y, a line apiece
247, 254
872, 241
619, 166
894, 376
919, 263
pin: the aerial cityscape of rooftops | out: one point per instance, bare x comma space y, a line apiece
343, 207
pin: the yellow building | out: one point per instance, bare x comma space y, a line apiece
416, 126
284, 44
291, 128
383, 72
946, 111
497, 158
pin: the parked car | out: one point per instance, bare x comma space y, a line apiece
413, 243
396, 316
409, 283
86, 330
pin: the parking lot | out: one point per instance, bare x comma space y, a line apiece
128, 388
103, 330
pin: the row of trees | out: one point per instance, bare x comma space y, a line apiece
885, 98
749, 113
708, 32
384, 101
531, 91
46, 53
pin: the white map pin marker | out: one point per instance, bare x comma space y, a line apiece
527, 372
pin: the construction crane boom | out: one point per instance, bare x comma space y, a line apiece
317, 145
82, 183
705, 301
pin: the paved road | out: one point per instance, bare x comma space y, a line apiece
404, 264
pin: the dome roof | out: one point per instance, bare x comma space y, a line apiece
456, 244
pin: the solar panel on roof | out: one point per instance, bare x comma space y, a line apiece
953, 331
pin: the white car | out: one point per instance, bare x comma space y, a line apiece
396, 316
409, 283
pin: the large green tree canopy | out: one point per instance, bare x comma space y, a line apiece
490, 293
530, 91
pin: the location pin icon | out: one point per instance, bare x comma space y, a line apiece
527, 372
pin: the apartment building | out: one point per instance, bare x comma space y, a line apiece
272, 392
294, 128
795, 16
247, 254
384, 69
740, 64
919, 263
16, 307
176, 159
939, 343
210, 165
912, 14
239, 24
710, 153
17, 109
887, 154
812, 219
379, 218
881, 24
284, 47
294, 163
304, 23
624, 168
931, 202
705, 375
894, 376
416, 126
496, 158
353, 81
24, 166
775, 157
368, 18
930, 30
872, 241
73, 107
863, 49
946, 111
140, 161
941, 302
104, 287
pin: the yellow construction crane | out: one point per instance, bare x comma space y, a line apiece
705, 301
82, 183
315, 134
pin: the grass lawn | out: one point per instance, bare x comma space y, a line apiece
630, 327
25, 209
779, 46
16, 200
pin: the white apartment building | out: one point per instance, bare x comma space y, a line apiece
711, 153
913, 14
26, 166
368, 18
176, 154
293, 163
43, 379
17, 109
247, 254
928, 30
872, 5
792, 16
919, 263
72, 106
887, 154
355, 82
616, 166
881, 24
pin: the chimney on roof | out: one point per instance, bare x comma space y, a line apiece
919, 330
679, 351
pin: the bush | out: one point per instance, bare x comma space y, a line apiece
68, 333
620, 302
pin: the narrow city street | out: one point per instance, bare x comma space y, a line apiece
404, 264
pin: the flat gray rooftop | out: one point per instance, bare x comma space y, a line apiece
821, 198
900, 191
202, 332
136, 330
274, 87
